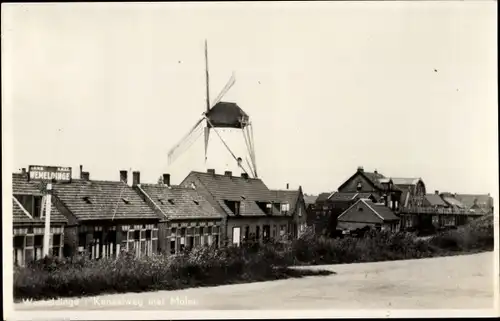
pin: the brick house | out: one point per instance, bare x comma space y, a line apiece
188, 219
293, 202
394, 193
28, 208
105, 217
251, 211
367, 213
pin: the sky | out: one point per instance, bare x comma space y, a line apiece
408, 89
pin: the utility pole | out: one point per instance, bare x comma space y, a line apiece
48, 207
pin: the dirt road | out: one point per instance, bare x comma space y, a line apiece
460, 282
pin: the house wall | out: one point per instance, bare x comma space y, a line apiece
28, 241
300, 216
253, 222
91, 237
179, 231
365, 215
203, 191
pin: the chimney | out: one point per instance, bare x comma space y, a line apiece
81, 171
228, 173
436, 192
85, 176
123, 176
136, 178
287, 185
375, 172
23, 171
211, 171
244, 175
166, 179
360, 169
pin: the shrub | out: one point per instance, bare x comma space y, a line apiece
50, 278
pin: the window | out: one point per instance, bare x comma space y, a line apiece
266, 232
234, 206
57, 245
257, 233
216, 240
236, 236
247, 233
37, 210
18, 242
449, 220
172, 246
282, 230
285, 208
275, 231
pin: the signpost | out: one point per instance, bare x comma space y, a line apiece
48, 174
46, 237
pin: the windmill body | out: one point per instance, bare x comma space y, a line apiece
221, 115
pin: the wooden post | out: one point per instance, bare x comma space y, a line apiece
48, 207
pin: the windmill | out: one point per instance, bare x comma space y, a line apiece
220, 114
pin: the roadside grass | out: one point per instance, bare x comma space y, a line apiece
208, 266
205, 266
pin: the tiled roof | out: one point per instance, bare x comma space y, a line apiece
21, 186
232, 188
340, 196
381, 212
288, 196
435, 200
385, 212
322, 197
310, 199
374, 177
452, 201
470, 200
100, 200
248, 208
180, 202
405, 181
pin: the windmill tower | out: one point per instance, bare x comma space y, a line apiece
218, 115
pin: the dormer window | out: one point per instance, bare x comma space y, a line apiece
285, 208
171, 201
161, 200
234, 206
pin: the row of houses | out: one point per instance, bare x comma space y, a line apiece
102, 218
372, 200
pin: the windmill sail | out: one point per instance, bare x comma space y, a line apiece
218, 115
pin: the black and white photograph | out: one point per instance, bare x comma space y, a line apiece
186, 160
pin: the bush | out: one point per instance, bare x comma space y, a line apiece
51, 278
79, 276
